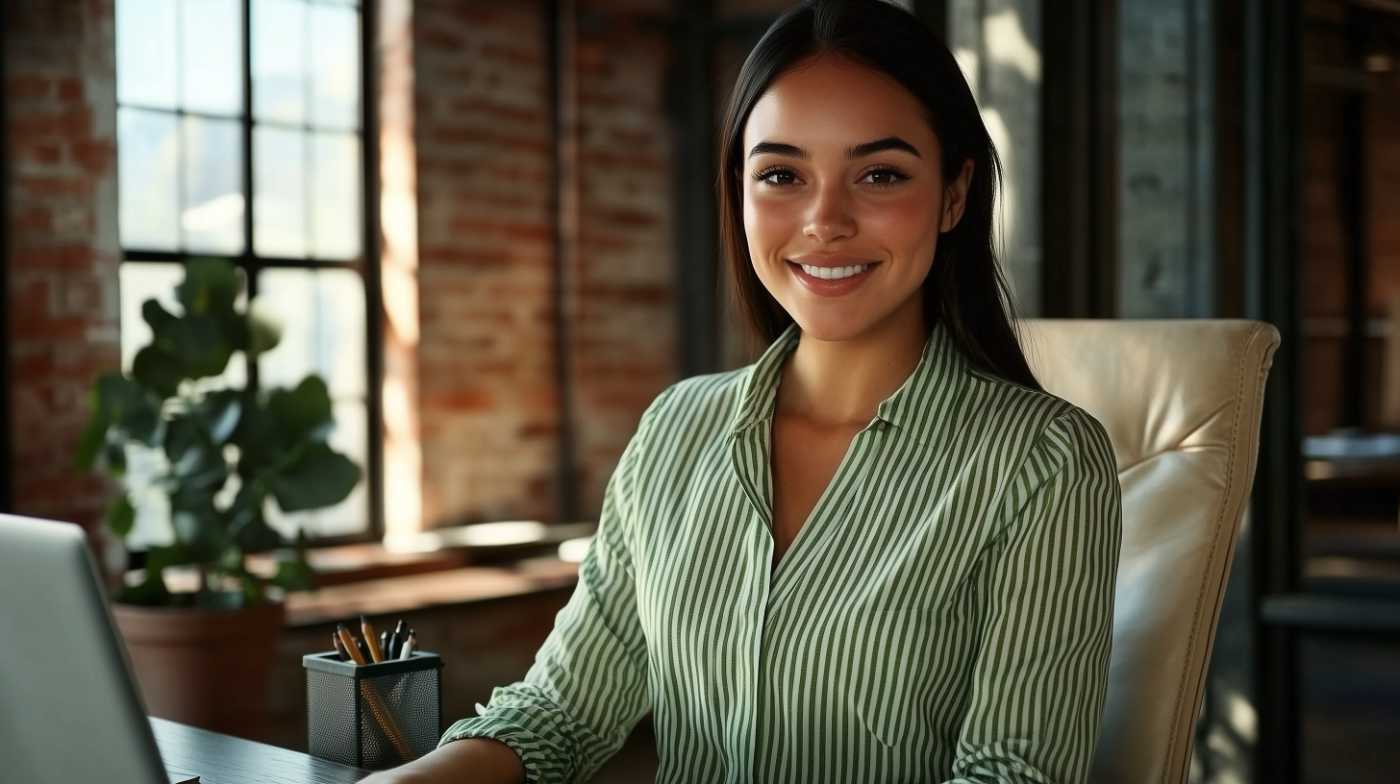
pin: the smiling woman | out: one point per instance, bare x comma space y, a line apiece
879, 553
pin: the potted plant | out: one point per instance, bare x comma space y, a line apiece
222, 453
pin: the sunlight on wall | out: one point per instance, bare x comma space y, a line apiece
403, 452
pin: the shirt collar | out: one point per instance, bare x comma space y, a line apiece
909, 408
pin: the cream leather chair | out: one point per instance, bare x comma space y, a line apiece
1181, 401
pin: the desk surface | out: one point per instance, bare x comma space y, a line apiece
224, 759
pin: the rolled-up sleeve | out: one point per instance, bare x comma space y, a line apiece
587, 687
1045, 590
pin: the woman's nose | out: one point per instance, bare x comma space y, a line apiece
829, 217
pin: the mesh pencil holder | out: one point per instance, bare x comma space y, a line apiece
373, 715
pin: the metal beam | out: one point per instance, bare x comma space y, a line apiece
1079, 133
1272, 217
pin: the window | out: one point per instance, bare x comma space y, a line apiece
223, 103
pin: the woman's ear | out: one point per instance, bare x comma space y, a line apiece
955, 198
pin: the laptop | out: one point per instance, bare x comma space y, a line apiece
69, 708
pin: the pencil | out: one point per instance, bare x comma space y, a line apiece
371, 639
376, 707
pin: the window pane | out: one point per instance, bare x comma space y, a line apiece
147, 164
350, 516
279, 61
336, 188
213, 215
335, 37
279, 192
212, 72
322, 313
146, 65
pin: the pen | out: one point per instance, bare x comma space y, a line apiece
399, 637
409, 646
375, 654
384, 646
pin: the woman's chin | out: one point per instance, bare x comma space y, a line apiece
826, 328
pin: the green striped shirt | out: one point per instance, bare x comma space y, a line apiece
943, 615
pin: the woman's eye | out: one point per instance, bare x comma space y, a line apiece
895, 175
764, 176
885, 177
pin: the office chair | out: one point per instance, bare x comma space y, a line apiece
1181, 401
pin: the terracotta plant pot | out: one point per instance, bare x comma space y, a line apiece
208, 668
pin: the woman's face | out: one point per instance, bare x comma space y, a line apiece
815, 193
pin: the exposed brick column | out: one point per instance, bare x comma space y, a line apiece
63, 250
621, 285
489, 403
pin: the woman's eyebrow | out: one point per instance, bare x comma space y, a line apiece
869, 148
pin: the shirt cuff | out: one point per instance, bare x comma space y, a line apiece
504, 728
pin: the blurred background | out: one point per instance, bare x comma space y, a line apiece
491, 228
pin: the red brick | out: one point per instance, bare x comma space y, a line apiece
22, 87
95, 157
70, 89
71, 187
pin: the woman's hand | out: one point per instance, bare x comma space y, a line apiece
470, 761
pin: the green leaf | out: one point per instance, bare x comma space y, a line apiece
158, 370
247, 506
319, 477
200, 531
201, 345
257, 536
253, 593
156, 316
303, 412
150, 592
161, 556
220, 411
263, 334
121, 515
210, 287
114, 457
294, 574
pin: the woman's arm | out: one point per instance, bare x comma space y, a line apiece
472, 761
1045, 592
588, 685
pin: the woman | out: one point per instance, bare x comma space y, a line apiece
879, 553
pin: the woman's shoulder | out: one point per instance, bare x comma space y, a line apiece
696, 400
1039, 418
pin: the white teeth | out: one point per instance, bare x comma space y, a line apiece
834, 273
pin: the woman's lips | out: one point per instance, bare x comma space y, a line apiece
823, 287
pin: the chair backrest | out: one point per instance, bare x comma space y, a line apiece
1181, 401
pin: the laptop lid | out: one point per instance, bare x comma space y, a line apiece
69, 709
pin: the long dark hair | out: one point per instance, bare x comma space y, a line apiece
965, 289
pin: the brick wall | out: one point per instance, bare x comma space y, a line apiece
620, 284
486, 146
62, 232
469, 149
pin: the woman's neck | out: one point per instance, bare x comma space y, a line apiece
841, 383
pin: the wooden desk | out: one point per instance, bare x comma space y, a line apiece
224, 759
